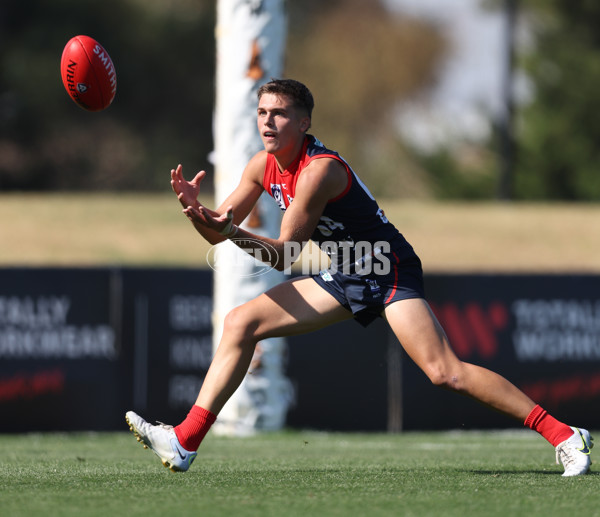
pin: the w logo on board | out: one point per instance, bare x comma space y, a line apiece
472, 329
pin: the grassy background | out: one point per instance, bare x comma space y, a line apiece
149, 229
294, 474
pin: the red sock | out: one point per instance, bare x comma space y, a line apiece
193, 429
554, 431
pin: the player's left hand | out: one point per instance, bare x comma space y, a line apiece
200, 215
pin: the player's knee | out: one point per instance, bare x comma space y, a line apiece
442, 377
239, 322
437, 377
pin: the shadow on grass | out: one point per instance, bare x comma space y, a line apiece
499, 472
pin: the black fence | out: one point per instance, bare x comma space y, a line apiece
79, 347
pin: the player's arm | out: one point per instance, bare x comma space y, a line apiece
210, 223
323, 179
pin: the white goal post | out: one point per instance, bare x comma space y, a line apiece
250, 37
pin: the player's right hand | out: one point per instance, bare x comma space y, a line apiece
187, 191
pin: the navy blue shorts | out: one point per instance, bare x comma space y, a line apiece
367, 295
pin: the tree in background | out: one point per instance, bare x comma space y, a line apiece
357, 59
558, 133
162, 112
360, 62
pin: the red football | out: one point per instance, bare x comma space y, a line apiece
88, 73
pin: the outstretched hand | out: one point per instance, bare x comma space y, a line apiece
220, 223
187, 191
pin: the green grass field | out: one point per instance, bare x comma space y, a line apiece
294, 473
291, 474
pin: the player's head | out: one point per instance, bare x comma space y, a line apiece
295, 90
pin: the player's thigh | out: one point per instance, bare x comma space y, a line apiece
421, 335
293, 307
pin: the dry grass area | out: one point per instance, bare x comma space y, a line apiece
502, 237
149, 230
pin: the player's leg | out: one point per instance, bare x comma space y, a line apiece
293, 307
425, 342
423, 338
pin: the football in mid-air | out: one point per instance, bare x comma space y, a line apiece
88, 73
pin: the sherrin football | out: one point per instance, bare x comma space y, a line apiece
88, 73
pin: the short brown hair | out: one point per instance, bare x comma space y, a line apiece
298, 92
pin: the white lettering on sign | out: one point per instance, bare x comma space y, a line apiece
190, 312
36, 328
67, 342
193, 352
43, 311
556, 330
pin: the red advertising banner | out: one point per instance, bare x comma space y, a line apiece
542, 332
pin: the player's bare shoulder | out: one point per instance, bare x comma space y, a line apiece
255, 168
327, 175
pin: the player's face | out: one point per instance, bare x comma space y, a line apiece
281, 125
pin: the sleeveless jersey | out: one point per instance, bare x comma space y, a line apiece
352, 217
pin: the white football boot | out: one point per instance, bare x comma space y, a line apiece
574, 453
163, 441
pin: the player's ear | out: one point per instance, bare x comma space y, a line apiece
305, 124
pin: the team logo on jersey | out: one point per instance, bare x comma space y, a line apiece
278, 195
382, 216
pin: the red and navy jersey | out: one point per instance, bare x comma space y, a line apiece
351, 217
